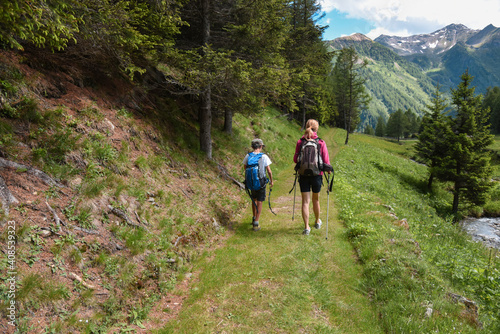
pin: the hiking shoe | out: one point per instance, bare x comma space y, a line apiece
318, 224
306, 231
256, 226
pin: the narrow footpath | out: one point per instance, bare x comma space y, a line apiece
277, 280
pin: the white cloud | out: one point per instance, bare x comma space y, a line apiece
393, 17
383, 31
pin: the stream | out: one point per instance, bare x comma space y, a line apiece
486, 230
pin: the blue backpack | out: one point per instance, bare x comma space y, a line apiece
253, 181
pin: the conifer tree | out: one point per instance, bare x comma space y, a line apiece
380, 127
413, 123
43, 23
397, 124
350, 93
369, 130
492, 100
224, 56
308, 60
467, 163
431, 145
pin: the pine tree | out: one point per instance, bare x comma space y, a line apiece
43, 23
350, 93
380, 127
431, 145
308, 60
492, 101
369, 130
413, 123
230, 59
467, 163
397, 124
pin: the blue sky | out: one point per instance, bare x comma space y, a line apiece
404, 17
340, 25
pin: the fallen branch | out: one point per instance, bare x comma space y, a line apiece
32, 171
139, 219
85, 230
58, 220
225, 173
186, 194
6, 196
178, 239
75, 277
123, 215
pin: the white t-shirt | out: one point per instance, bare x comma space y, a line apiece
264, 161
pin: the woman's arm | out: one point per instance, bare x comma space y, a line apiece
324, 152
297, 151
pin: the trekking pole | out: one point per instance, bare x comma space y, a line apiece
269, 200
327, 204
294, 192
329, 185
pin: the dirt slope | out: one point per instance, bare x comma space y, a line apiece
105, 243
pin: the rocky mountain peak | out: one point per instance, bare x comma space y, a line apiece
437, 42
355, 37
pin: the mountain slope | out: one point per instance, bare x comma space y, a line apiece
447, 53
434, 43
392, 81
103, 242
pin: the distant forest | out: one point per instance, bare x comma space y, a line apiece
230, 56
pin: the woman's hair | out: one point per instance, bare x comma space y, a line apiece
311, 127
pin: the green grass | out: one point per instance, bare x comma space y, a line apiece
370, 276
391, 254
277, 280
406, 268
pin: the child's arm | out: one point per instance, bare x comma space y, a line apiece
270, 176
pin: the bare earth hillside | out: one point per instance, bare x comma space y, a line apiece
108, 211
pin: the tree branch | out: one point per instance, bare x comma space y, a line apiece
6, 196
32, 171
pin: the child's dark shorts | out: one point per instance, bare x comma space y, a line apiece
308, 182
260, 195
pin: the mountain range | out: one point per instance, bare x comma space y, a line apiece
403, 71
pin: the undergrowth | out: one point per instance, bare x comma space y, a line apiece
414, 256
109, 157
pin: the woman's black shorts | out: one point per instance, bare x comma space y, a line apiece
308, 182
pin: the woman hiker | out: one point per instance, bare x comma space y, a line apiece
311, 182
259, 196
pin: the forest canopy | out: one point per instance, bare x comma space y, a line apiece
234, 56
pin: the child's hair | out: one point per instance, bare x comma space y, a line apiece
311, 127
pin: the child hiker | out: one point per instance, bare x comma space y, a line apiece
256, 165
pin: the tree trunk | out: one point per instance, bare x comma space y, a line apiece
429, 183
206, 97
456, 193
205, 8
206, 123
303, 113
347, 127
228, 121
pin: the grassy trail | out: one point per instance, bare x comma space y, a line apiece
278, 281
